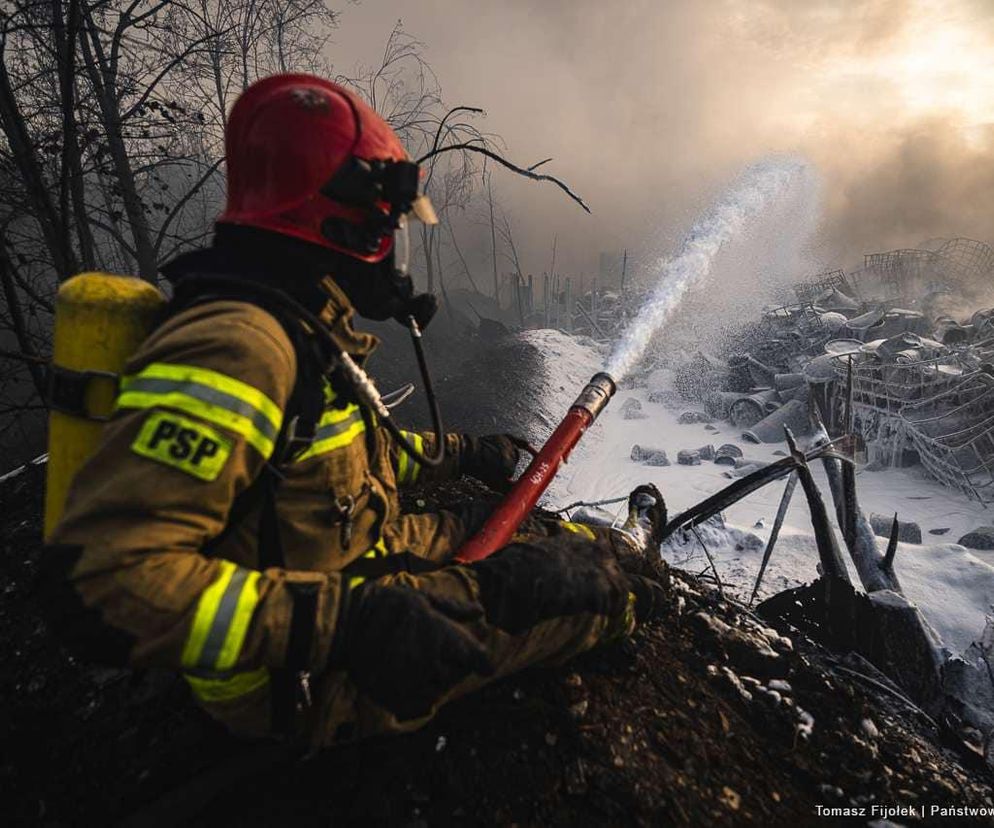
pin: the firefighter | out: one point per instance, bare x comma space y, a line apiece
239, 520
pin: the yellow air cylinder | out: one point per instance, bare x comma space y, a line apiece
100, 320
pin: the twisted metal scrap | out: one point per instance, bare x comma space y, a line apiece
745, 486
830, 556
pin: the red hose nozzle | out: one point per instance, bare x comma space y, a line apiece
517, 503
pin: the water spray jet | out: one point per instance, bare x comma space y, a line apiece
728, 218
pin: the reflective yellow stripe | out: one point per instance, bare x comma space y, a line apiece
207, 394
408, 468
226, 688
579, 529
403, 463
238, 626
379, 550
419, 444
210, 600
221, 621
336, 429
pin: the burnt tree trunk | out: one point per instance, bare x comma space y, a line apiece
876, 571
18, 322
36, 190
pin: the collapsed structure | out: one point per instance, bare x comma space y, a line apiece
897, 353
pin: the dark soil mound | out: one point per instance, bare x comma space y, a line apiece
483, 383
706, 717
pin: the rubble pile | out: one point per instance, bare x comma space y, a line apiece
887, 352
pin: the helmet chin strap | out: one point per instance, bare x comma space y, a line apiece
380, 291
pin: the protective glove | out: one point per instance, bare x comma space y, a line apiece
405, 648
492, 459
650, 598
529, 582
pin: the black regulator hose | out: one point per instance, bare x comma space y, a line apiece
359, 379
433, 407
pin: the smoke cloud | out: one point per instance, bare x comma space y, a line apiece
649, 109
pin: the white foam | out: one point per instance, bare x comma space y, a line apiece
756, 190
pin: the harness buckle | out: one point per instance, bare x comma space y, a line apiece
68, 391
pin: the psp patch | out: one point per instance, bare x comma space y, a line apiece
184, 444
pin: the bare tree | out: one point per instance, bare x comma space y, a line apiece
511, 255
446, 141
405, 91
111, 139
112, 116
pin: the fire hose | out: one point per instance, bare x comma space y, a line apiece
524, 494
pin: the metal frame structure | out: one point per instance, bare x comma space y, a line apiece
810, 290
880, 391
796, 318
890, 386
953, 433
899, 269
941, 264
967, 259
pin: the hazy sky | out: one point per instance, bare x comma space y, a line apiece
649, 107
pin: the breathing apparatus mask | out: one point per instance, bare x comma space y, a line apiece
384, 195
385, 290
387, 193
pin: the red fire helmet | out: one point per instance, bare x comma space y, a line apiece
308, 158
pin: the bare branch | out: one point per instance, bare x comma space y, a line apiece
178, 207
441, 124
17, 319
526, 172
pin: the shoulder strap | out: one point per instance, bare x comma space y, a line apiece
306, 400
300, 419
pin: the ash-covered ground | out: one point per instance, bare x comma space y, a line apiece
708, 716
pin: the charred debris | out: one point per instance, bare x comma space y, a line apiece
712, 716
891, 366
898, 354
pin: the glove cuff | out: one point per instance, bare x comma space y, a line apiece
649, 598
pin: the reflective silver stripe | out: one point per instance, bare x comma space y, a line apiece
206, 394
211, 653
334, 433
333, 429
